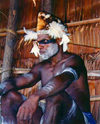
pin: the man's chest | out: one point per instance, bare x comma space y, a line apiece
50, 71
47, 73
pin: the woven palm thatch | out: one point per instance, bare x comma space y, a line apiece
86, 34
92, 60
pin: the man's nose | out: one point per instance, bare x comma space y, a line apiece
41, 46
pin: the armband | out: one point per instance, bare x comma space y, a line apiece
72, 71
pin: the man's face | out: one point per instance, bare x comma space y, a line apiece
48, 47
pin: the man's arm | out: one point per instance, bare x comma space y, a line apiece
64, 79
23, 81
61, 80
55, 85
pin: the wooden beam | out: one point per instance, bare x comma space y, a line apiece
78, 44
72, 24
4, 32
90, 21
95, 73
10, 39
17, 70
95, 98
21, 70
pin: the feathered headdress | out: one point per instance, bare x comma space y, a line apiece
48, 24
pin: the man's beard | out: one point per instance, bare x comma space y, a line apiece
50, 51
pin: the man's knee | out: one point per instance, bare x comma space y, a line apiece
11, 98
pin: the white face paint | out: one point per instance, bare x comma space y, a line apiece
48, 88
49, 52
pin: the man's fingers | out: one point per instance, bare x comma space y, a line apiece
20, 114
27, 115
30, 117
21, 122
30, 121
26, 122
24, 116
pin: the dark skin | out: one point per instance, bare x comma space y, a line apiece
59, 89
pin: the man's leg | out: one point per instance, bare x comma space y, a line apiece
62, 109
10, 104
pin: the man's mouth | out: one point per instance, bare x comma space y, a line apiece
42, 51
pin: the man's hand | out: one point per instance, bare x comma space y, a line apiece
27, 109
5, 87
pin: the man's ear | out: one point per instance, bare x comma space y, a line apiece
58, 40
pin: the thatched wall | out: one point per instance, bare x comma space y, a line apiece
67, 10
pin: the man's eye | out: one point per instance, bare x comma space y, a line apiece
42, 42
45, 41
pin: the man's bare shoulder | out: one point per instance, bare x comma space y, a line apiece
71, 59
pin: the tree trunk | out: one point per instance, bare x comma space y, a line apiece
47, 5
10, 40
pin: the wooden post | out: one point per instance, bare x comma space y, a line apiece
47, 5
98, 119
10, 40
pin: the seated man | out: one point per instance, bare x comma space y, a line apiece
63, 76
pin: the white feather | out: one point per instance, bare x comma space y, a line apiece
35, 49
56, 30
47, 16
30, 35
65, 40
42, 32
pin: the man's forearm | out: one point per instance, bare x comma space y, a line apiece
24, 80
20, 82
54, 86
